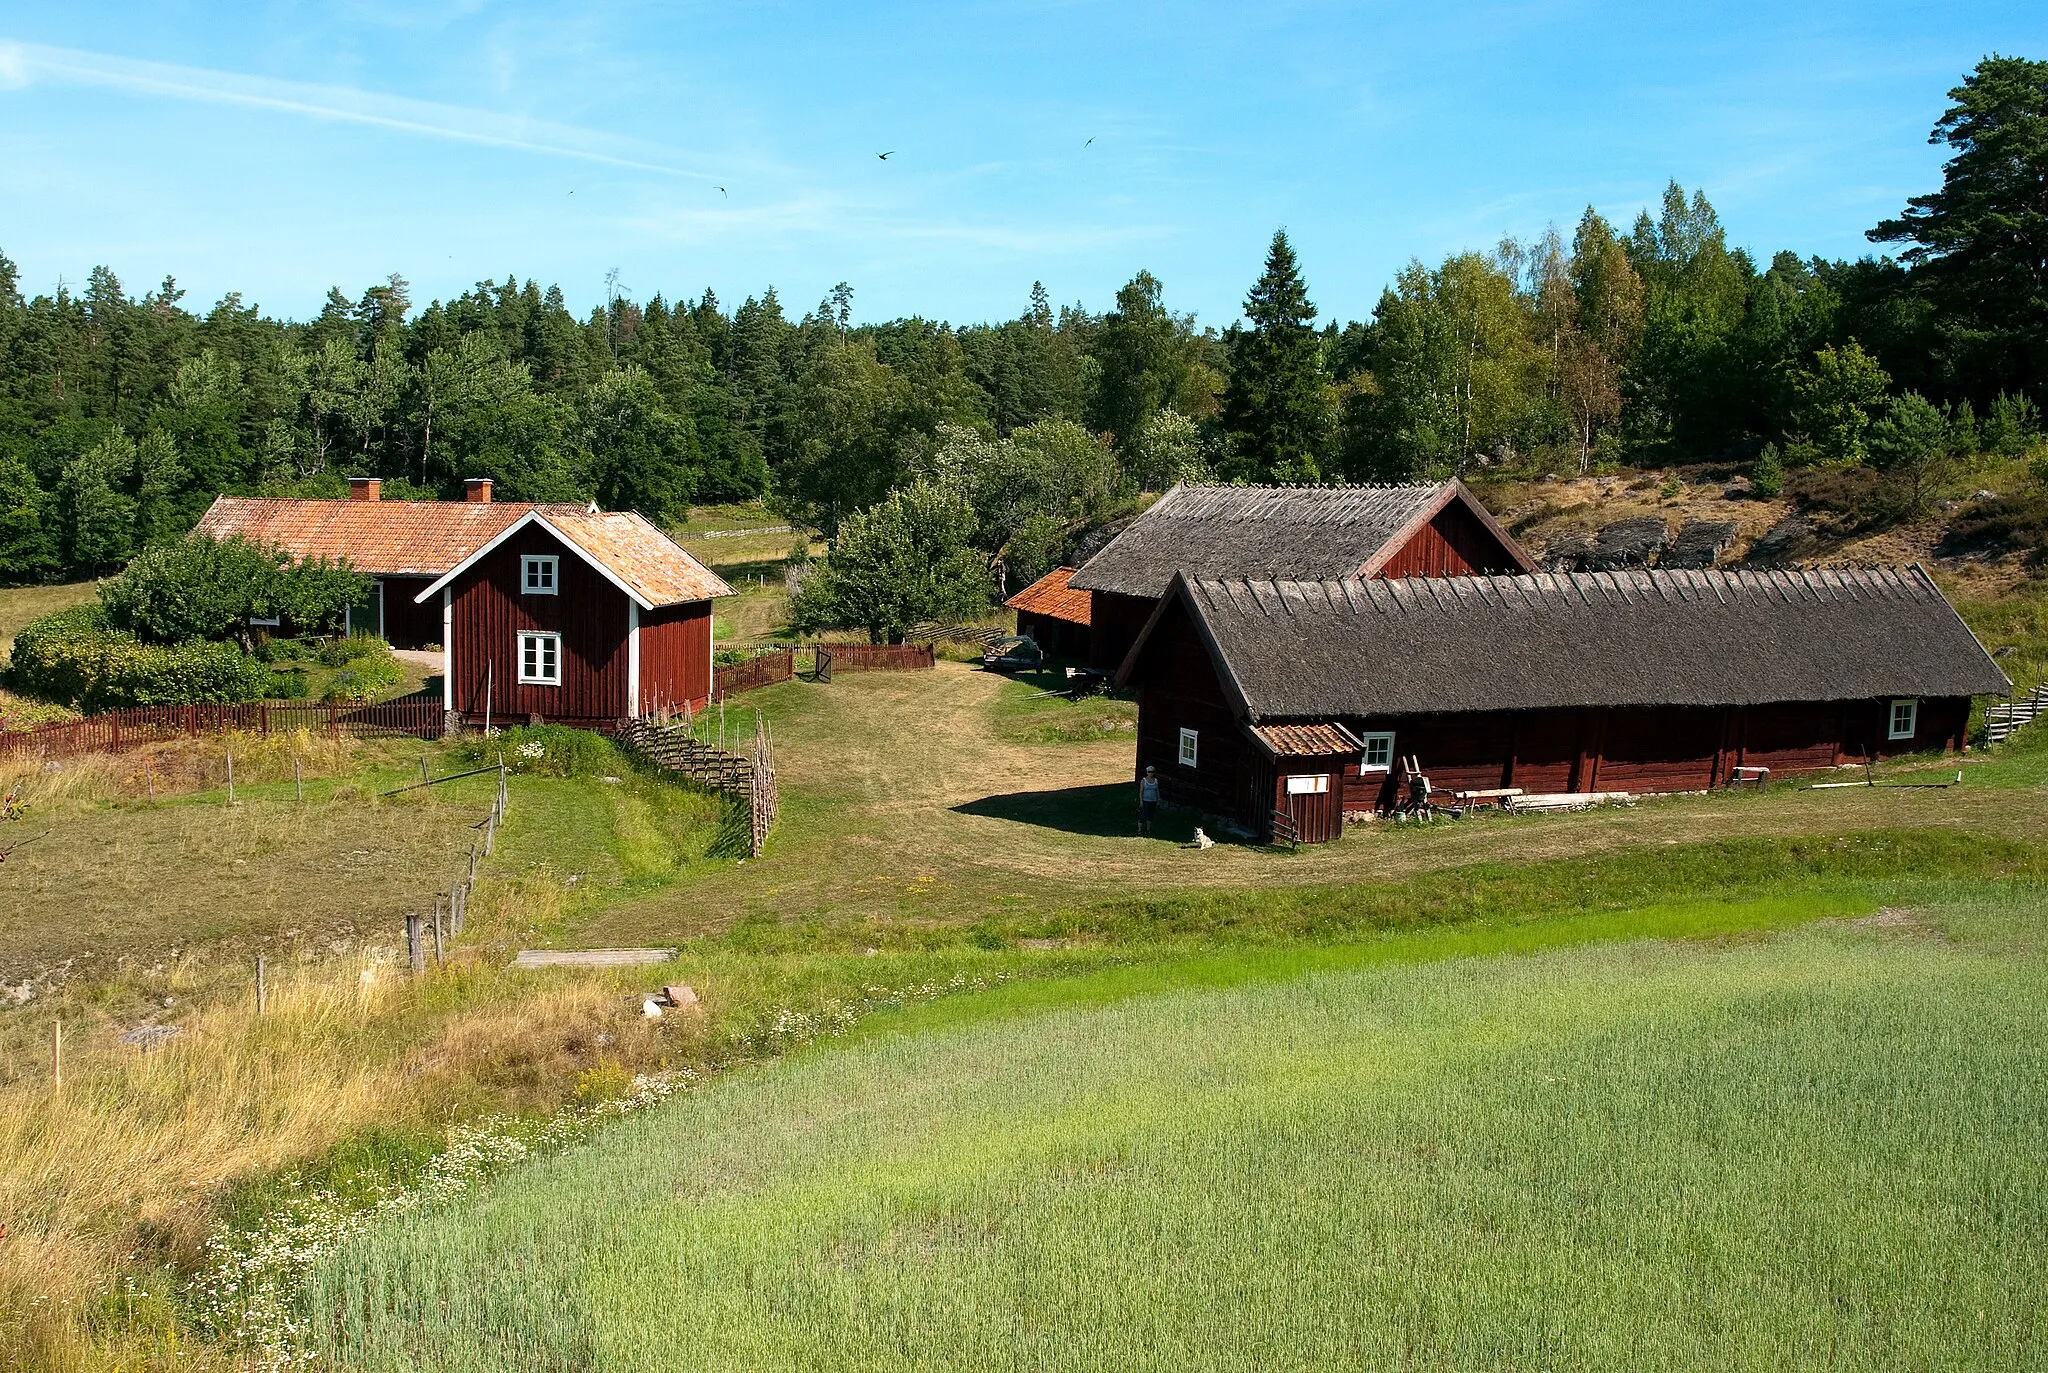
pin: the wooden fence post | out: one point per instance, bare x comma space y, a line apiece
437, 928
414, 948
261, 989
149, 780
298, 778
231, 776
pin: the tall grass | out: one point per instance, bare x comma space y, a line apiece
1815, 1151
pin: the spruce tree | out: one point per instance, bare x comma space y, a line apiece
1276, 414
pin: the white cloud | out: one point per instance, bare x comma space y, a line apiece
22, 63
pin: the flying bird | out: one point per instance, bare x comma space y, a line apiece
887, 155
721, 191
1089, 141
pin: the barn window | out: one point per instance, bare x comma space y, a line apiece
538, 573
540, 659
1317, 785
1379, 752
1905, 719
1188, 741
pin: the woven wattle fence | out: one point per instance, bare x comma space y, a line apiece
417, 717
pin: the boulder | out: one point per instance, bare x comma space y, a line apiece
1781, 543
1699, 543
1633, 542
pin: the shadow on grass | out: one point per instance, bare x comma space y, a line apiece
1109, 810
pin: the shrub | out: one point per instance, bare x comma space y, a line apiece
1767, 476
2017, 524
340, 652
74, 656
206, 588
1851, 500
370, 668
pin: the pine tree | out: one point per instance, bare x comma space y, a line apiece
1276, 414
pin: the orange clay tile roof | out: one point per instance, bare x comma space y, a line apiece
431, 538
1305, 741
1051, 597
638, 554
390, 538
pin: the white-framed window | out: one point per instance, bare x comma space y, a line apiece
1379, 753
1189, 743
538, 574
540, 660
1317, 784
1905, 719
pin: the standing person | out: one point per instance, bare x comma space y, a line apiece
1148, 799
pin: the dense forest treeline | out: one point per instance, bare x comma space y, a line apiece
121, 416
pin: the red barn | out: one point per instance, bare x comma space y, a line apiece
1308, 532
1301, 697
576, 615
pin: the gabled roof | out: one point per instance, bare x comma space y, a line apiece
1355, 647
1306, 532
389, 538
629, 552
1051, 597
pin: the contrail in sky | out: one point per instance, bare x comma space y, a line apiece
22, 64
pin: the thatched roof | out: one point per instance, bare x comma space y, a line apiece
1702, 638
1305, 532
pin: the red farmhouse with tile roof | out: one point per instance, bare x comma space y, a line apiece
558, 611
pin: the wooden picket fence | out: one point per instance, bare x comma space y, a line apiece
764, 669
416, 716
877, 657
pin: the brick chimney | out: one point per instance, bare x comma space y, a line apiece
476, 490
364, 488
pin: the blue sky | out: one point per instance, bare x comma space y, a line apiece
280, 149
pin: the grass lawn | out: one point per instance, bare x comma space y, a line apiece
1814, 1148
918, 803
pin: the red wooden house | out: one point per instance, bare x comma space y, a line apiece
576, 615
1300, 698
1312, 532
557, 611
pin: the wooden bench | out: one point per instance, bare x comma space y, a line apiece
1500, 797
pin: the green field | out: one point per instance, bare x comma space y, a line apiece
1815, 1148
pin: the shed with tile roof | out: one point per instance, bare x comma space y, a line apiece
1297, 532
1640, 681
1054, 615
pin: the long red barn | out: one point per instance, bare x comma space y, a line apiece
1258, 697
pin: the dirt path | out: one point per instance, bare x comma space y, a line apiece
906, 801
